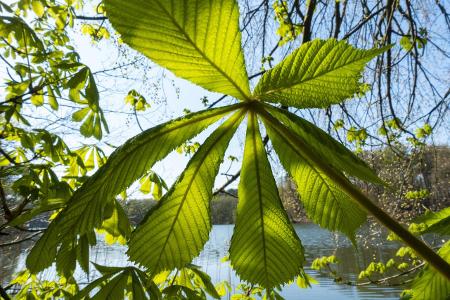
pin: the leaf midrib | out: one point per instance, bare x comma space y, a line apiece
258, 182
188, 38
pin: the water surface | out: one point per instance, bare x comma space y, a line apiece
316, 241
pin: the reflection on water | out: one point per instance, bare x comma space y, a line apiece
317, 242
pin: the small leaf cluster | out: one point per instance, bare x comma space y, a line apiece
287, 31
417, 195
420, 40
428, 283
46, 66
96, 32
34, 289
323, 262
153, 183
137, 101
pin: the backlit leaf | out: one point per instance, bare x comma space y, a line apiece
436, 222
264, 249
324, 145
175, 230
85, 209
38, 8
37, 99
430, 284
197, 40
324, 202
318, 74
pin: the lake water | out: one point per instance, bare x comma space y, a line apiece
317, 242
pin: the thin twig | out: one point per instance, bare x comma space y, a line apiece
18, 241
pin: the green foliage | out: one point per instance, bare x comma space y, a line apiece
253, 292
136, 100
438, 222
115, 225
121, 283
324, 202
199, 41
53, 70
424, 131
182, 216
43, 206
86, 209
304, 281
152, 182
414, 195
175, 230
409, 42
264, 248
189, 283
326, 147
223, 288
287, 31
373, 267
34, 289
43, 70
206, 31
317, 74
429, 284
357, 136
97, 32
188, 148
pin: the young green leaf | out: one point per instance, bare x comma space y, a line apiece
330, 150
44, 205
66, 260
137, 287
85, 209
438, 222
264, 249
51, 98
84, 293
115, 288
318, 74
175, 230
87, 128
120, 283
82, 250
92, 92
324, 202
105, 270
116, 225
197, 40
205, 280
78, 81
37, 99
38, 8
430, 284
79, 115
